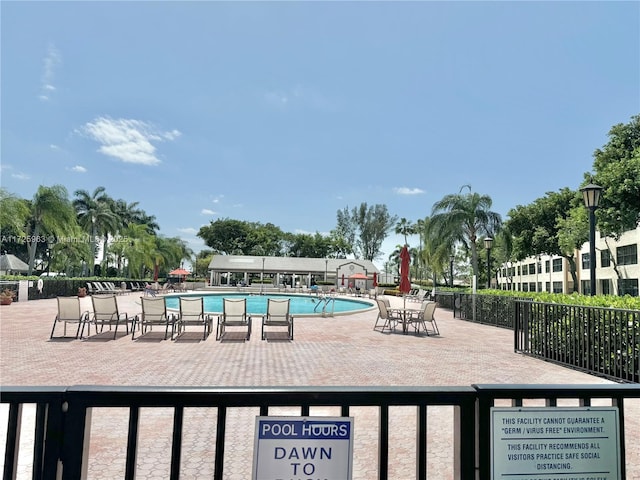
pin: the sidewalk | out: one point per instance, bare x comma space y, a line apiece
339, 351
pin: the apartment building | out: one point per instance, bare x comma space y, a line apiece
617, 269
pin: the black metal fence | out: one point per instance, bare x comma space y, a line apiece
63, 419
600, 341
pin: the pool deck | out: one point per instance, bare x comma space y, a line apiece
338, 351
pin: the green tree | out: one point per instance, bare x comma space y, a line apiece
14, 212
536, 228
436, 250
95, 216
225, 236
617, 170
138, 250
50, 214
404, 227
363, 229
344, 235
465, 218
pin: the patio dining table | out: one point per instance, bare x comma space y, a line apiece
405, 314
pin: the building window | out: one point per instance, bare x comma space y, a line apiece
605, 258
628, 286
518, 270
539, 286
546, 266
525, 287
586, 287
557, 265
532, 269
557, 286
627, 255
532, 286
546, 287
605, 286
539, 266
586, 264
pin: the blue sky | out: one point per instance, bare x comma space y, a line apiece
285, 112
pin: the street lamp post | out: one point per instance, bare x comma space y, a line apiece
591, 195
262, 278
451, 259
488, 242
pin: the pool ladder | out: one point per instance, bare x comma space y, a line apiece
325, 300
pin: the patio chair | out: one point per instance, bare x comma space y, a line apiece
388, 316
234, 314
277, 316
426, 315
192, 314
69, 311
105, 312
418, 296
154, 312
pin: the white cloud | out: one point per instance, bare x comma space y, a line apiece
128, 140
206, 211
51, 61
408, 191
218, 198
188, 230
78, 169
54, 147
20, 176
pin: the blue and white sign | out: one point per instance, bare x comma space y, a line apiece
303, 448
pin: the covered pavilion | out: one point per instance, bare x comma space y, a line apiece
294, 271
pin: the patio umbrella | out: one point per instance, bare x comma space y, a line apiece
375, 279
179, 272
358, 276
405, 283
343, 279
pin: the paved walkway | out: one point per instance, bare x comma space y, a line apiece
339, 351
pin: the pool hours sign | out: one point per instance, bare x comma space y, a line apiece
555, 443
303, 448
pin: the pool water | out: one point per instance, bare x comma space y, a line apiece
257, 304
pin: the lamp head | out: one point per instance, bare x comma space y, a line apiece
488, 242
591, 195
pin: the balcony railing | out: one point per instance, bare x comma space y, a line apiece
63, 419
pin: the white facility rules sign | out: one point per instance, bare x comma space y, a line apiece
555, 443
303, 448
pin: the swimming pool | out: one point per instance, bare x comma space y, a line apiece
257, 304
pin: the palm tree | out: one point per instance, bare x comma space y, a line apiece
436, 250
465, 218
169, 252
95, 216
50, 213
138, 250
405, 227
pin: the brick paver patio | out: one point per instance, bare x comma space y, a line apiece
339, 351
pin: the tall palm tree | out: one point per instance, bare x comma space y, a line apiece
436, 250
465, 218
95, 216
405, 227
50, 213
